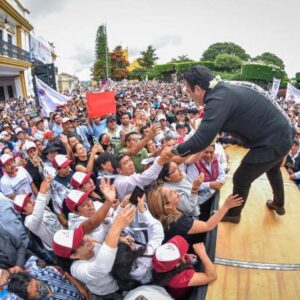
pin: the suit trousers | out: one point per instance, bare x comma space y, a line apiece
247, 173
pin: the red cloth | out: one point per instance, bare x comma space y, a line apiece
214, 169
179, 285
100, 104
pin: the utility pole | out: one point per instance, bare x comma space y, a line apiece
106, 54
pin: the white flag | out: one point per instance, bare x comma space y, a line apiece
49, 98
292, 93
275, 87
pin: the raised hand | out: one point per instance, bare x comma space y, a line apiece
125, 217
45, 185
233, 201
108, 190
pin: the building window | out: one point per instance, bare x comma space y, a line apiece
9, 38
10, 91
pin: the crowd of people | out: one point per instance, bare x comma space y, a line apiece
72, 224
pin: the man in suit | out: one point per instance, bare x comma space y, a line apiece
247, 112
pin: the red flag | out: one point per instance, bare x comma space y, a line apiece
100, 104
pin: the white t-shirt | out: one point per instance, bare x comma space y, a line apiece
95, 272
18, 185
98, 234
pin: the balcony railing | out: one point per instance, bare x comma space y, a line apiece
7, 49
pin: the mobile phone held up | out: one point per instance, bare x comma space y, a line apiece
136, 193
95, 140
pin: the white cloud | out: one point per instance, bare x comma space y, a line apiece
173, 27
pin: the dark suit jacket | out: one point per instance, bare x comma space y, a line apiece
247, 113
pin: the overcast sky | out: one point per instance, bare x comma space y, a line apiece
173, 27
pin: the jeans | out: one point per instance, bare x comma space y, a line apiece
247, 173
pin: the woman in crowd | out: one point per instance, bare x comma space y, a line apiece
173, 177
163, 202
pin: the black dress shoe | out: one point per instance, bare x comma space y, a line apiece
279, 209
232, 219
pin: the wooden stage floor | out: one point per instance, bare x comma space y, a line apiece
262, 238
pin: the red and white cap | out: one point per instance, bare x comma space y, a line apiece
20, 201
79, 178
5, 158
65, 120
75, 198
18, 130
65, 241
168, 255
29, 145
60, 161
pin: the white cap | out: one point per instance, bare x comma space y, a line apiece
60, 161
20, 201
66, 119
29, 145
5, 158
79, 178
18, 130
161, 117
64, 241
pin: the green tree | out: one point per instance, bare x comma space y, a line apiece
181, 58
119, 64
101, 50
138, 73
228, 62
214, 50
271, 59
148, 58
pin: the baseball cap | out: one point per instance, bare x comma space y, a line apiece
47, 134
180, 125
168, 255
75, 198
20, 201
50, 148
3, 134
65, 120
18, 130
111, 118
161, 117
60, 161
65, 241
5, 158
79, 178
29, 145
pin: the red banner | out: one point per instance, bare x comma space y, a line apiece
100, 104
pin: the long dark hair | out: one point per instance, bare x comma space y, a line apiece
162, 279
124, 263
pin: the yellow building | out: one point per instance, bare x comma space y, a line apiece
15, 61
66, 82
134, 65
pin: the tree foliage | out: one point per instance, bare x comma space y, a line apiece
261, 72
214, 50
138, 73
270, 58
228, 62
181, 59
99, 67
119, 64
148, 58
